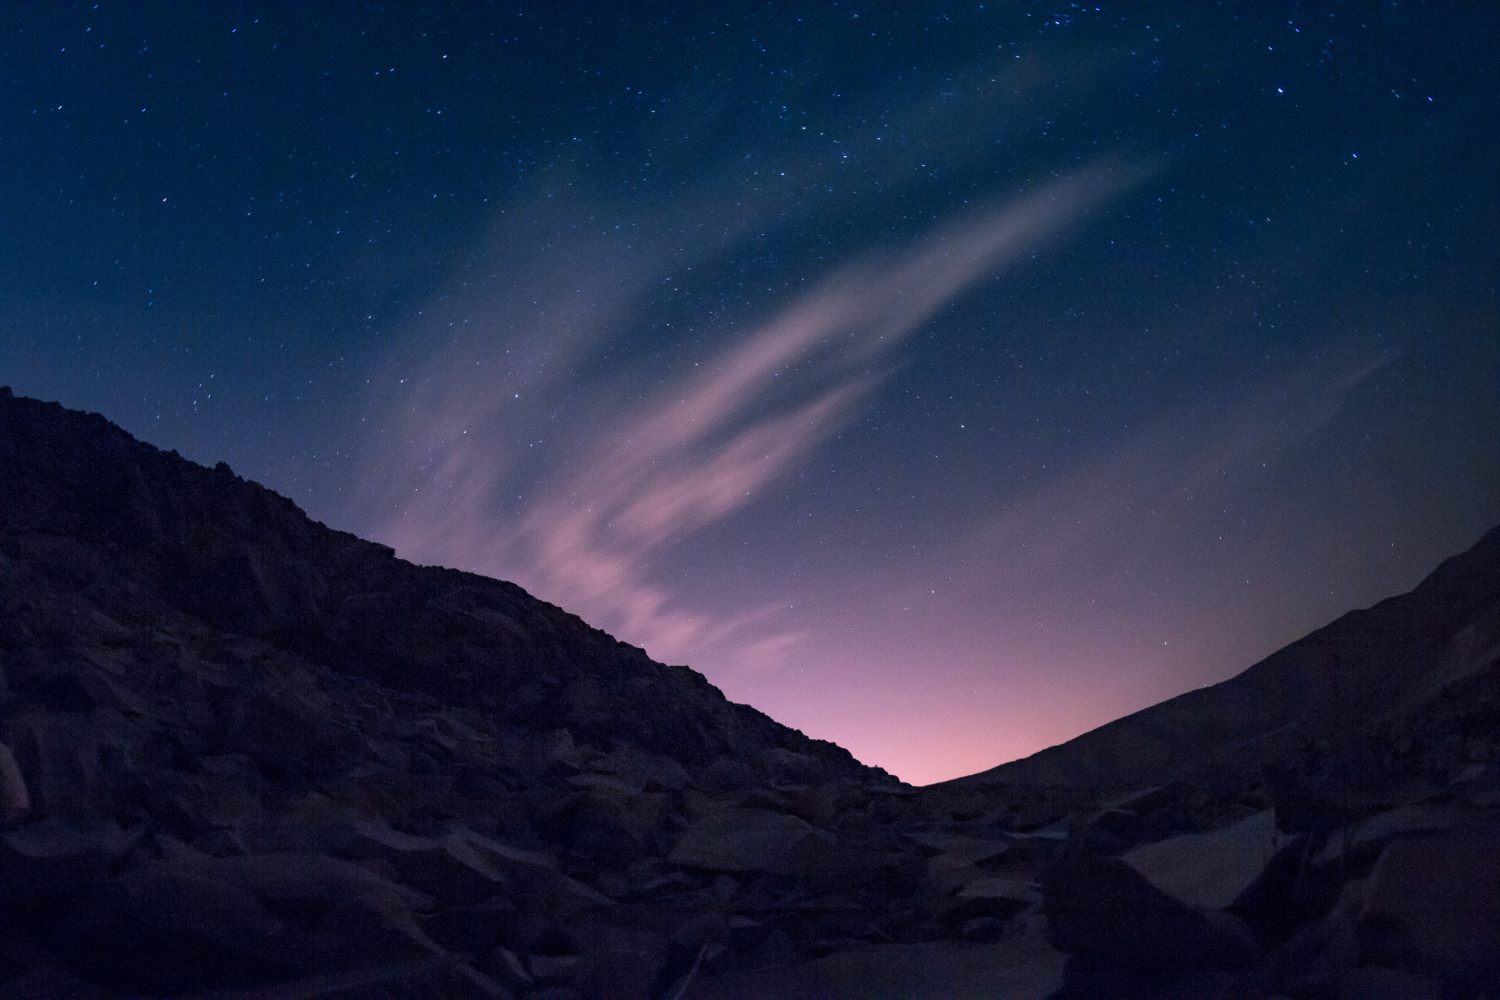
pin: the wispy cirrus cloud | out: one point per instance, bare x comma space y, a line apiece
635, 473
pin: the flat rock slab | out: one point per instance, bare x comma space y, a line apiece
1210, 870
1019, 969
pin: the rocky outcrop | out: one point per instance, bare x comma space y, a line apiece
107, 538
243, 755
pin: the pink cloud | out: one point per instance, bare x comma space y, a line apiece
590, 532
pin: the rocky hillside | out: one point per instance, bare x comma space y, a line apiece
245, 756
1394, 661
112, 546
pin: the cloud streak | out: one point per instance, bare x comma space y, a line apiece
590, 531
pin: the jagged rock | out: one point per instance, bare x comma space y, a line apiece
553, 970
533, 877
47, 982
449, 869
287, 733
792, 767
725, 774
206, 546
1321, 954
463, 868
1210, 870
618, 961
610, 820
957, 862
971, 849
432, 978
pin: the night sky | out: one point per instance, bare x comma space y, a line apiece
944, 380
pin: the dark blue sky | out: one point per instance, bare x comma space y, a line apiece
943, 380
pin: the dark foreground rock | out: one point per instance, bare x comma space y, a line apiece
245, 756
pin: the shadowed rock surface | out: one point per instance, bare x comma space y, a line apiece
243, 755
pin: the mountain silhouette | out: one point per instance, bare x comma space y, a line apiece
244, 755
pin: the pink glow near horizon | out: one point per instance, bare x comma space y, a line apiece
1007, 654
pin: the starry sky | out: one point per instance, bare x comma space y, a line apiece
944, 380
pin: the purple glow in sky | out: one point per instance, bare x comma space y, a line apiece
941, 382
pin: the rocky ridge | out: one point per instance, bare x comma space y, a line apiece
243, 755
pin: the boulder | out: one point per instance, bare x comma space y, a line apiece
506, 968
956, 863
1375, 983
1320, 955
287, 732
750, 840
1434, 908
971, 849
464, 867
726, 774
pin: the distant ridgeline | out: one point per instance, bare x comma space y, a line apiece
1400, 659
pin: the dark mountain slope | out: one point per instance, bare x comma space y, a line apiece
88, 515
1385, 662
